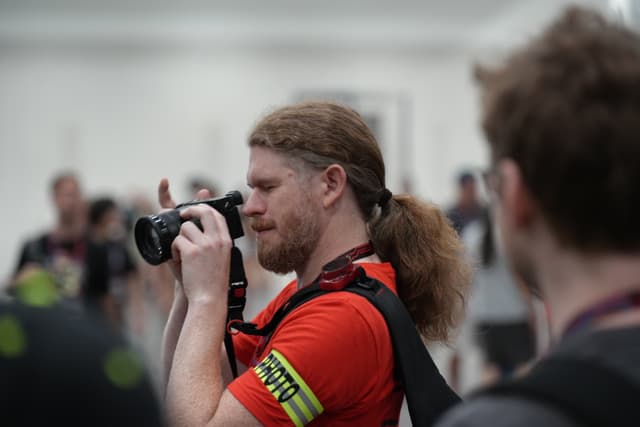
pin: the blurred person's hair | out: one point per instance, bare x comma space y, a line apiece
414, 236
465, 177
566, 109
99, 207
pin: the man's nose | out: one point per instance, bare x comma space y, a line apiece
253, 205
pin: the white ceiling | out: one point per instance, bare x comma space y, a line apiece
422, 24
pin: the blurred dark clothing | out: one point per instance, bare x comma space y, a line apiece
108, 266
506, 345
63, 259
62, 367
498, 308
616, 349
460, 216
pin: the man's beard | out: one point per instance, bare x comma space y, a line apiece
299, 231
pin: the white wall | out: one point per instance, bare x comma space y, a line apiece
124, 117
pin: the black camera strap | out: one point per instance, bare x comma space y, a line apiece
235, 304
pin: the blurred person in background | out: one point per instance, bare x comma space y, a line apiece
62, 250
562, 117
112, 283
467, 207
198, 182
499, 309
318, 191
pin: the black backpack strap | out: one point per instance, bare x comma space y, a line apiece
586, 391
428, 394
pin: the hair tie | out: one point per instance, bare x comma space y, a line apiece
385, 196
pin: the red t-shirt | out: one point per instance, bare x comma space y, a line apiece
328, 363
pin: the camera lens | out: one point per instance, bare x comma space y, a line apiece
155, 238
154, 235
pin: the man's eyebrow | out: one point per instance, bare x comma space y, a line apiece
261, 182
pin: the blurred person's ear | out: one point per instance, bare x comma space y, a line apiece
518, 206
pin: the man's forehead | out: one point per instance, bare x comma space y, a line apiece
265, 161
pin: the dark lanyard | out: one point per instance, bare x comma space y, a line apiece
618, 303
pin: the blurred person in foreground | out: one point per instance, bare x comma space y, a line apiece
61, 367
562, 117
62, 250
318, 191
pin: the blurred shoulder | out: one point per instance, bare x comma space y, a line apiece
503, 412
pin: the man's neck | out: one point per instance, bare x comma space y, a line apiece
572, 283
336, 239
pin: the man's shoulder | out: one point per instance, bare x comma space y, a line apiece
340, 304
600, 361
37, 239
499, 411
34, 249
338, 314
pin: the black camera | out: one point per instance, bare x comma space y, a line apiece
155, 233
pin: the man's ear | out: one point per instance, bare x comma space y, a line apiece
518, 203
334, 183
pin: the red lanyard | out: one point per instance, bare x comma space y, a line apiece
341, 271
77, 250
628, 301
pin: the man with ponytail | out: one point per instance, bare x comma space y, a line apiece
318, 193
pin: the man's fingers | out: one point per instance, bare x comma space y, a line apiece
212, 221
180, 244
164, 196
191, 232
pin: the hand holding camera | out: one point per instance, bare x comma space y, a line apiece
196, 237
204, 254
